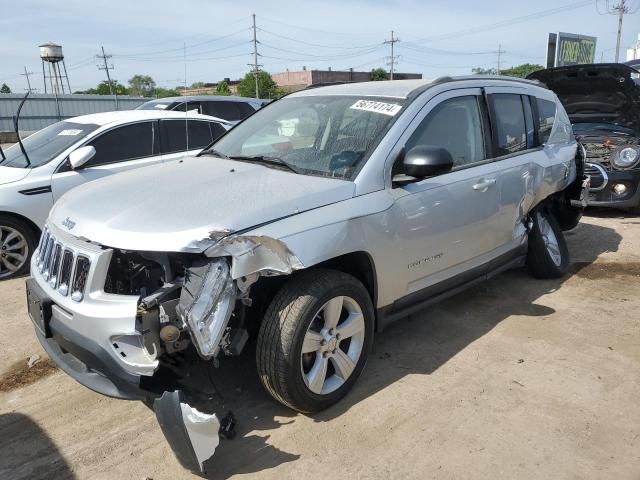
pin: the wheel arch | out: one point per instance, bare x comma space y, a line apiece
16, 216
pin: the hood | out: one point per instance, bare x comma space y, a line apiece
171, 207
11, 174
598, 93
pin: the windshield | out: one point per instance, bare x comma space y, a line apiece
155, 105
316, 135
45, 144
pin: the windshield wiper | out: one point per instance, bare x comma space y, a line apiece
277, 161
213, 152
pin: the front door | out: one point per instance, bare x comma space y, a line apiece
448, 225
117, 150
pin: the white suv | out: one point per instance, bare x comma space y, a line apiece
78, 150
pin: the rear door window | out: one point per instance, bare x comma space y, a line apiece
201, 134
232, 111
138, 140
510, 126
546, 118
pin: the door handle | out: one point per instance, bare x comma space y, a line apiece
484, 184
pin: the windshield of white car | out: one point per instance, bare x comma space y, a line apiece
327, 135
44, 145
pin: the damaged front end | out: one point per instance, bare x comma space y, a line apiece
188, 323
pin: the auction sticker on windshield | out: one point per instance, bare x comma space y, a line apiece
72, 132
379, 107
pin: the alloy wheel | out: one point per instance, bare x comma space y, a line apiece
332, 345
14, 251
550, 240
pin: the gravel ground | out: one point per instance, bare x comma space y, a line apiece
516, 378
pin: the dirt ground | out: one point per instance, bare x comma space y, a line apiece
516, 378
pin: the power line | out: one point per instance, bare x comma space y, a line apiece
393, 58
256, 66
620, 9
27, 75
314, 44
106, 68
508, 22
499, 52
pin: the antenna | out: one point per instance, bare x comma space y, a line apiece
393, 59
186, 106
106, 68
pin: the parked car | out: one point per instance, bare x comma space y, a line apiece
603, 103
230, 108
78, 150
310, 225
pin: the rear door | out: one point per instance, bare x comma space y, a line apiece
119, 149
448, 225
520, 156
187, 137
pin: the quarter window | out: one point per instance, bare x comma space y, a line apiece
456, 125
547, 116
201, 134
511, 131
124, 143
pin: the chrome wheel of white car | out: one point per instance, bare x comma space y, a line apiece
314, 339
332, 345
549, 238
14, 251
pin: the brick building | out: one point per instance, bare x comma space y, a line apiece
304, 78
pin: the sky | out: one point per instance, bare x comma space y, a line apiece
207, 40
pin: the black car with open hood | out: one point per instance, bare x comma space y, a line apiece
603, 103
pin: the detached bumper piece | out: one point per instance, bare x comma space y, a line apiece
192, 435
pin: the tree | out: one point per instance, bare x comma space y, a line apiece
520, 71
378, 74
5, 88
223, 88
197, 85
103, 88
166, 92
142, 86
484, 71
267, 88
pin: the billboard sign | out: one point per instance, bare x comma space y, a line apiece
565, 49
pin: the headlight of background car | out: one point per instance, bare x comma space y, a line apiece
206, 303
626, 157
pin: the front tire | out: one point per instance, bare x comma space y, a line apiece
17, 243
315, 339
548, 254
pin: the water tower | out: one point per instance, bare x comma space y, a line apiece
51, 56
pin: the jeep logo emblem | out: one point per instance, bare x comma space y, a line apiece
68, 223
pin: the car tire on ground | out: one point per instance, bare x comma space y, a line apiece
548, 254
17, 243
314, 339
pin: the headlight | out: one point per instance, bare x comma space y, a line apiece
626, 158
206, 303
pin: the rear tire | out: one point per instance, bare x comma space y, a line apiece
17, 243
548, 254
329, 316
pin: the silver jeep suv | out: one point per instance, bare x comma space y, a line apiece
308, 227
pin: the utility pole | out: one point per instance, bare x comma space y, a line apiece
621, 8
255, 65
500, 52
106, 68
393, 58
26, 75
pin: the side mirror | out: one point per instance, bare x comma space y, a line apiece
426, 161
82, 155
